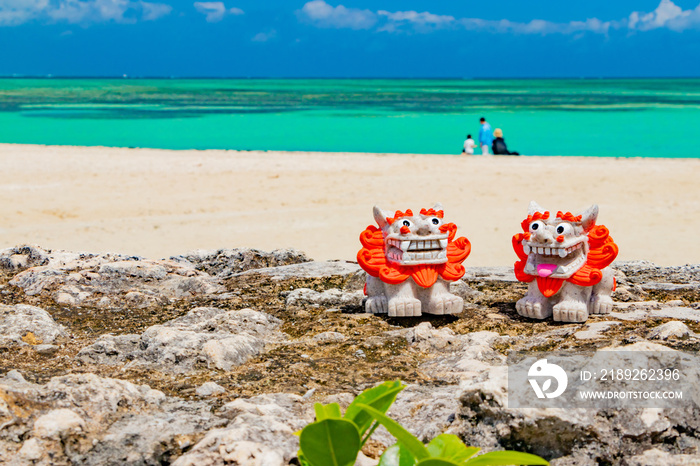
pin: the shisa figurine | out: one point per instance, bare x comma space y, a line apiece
410, 260
565, 259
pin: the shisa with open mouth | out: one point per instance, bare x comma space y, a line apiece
410, 260
565, 259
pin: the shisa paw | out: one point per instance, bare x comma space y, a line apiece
570, 311
377, 305
404, 307
601, 304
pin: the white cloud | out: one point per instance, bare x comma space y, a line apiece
321, 14
324, 15
264, 36
421, 21
14, 12
538, 26
216, 11
153, 11
667, 15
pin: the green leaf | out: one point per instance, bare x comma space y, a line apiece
333, 411
320, 411
380, 398
369, 433
302, 460
506, 458
331, 442
411, 443
397, 455
329, 411
437, 462
450, 447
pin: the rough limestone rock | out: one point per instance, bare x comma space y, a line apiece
654, 310
210, 389
464, 291
595, 330
425, 411
461, 356
261, 432
455, 367
86, 419
206, 335
58, 424
654, 456
225, 262
673, 329
314, 269
22, 257
328, 337
21, 324
112, 280
571, 436
649, 274
676, 312
328, 298
490, 274
637, 280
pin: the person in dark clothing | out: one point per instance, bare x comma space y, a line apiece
499, 144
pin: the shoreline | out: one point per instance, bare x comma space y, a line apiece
332, 153
155, 202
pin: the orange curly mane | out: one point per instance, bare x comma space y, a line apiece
373, 260
602, 251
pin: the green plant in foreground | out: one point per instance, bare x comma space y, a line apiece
335, 440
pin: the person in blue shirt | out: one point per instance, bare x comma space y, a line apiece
485, 136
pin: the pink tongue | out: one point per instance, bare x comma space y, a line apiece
545, 270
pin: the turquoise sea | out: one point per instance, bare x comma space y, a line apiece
615, 117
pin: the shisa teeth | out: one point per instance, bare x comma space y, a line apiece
421, 245
550, 251
428, 255
434, 249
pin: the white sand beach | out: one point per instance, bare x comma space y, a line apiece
158, 203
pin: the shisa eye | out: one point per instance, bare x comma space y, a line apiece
534, 226
564, 229
436, 221
406, 223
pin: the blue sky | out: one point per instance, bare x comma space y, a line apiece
351, 38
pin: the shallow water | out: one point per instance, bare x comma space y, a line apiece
621, 118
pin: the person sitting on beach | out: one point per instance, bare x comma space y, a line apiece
469, 145
499, 144
485, 136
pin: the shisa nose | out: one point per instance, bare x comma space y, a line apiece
543, 235
423, 231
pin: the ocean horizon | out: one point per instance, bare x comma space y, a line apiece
609, 117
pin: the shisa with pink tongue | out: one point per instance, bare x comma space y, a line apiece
565, 258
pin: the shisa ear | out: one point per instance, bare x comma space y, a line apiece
437, 206
380, 216
588, 217
535, 207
